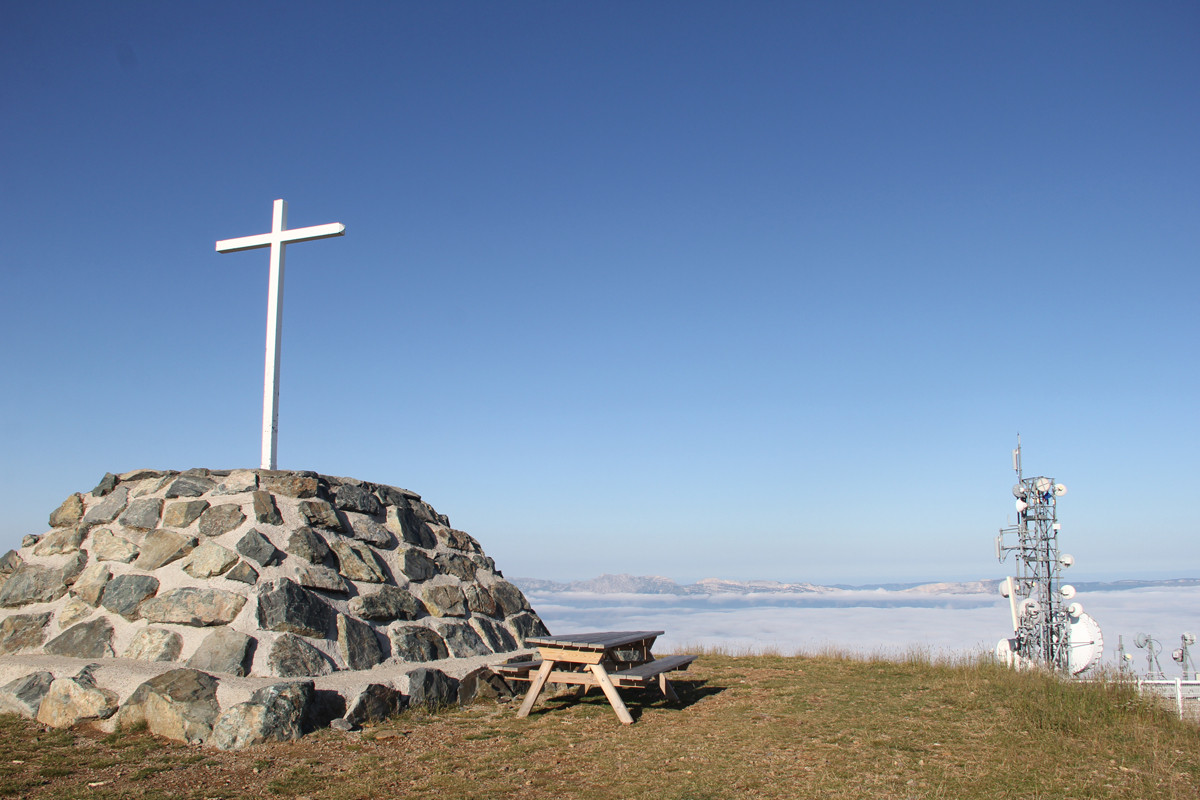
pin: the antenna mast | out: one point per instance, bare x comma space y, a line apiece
1047, 628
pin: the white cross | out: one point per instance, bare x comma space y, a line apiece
277, 239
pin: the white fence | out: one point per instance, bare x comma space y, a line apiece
1185, 694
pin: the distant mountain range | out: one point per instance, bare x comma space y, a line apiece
656, 584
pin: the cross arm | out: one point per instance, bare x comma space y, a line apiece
283, 237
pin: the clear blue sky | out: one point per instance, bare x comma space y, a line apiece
755, 290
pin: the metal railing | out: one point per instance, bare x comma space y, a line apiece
1186, 694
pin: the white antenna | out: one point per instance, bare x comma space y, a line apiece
1048, 629
1182, 657
1145, 641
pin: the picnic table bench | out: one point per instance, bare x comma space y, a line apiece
608, 659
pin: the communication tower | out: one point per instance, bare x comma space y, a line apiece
1048, 629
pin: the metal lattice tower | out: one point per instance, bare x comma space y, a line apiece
1042, 616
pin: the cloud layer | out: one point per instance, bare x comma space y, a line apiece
863, 621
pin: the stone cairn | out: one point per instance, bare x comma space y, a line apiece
252, 574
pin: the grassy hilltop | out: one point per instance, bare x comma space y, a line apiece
746, 726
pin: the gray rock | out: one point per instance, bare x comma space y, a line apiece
124, 594
509, 597
369, 531
107, 546
23, 632
180, 705
243, 573
106, 485
154, 644
480, 601
107, 509
389, 603
402, 523
72, 611
462, 640
24, 695
460, 540
527, 624
359, 499
319, 514
57, 542
265, 510
9, 562
308, 544
183, 513
190, 486
256, 547
357, 643
431, 688
85, 640
290, 484
274, 713
69, 513
483, 684
457, 565
283, 606
444, 600
314, 576
90, 584
143, 514
293, 657
161, 547
72, 567
417, 566
70, 701
191, 606
393, 496
224, 650
495, 635
358, 562
32, 583
221, 519
375, 703
30, 539
237, 482
416, 643
208, 560
343, 725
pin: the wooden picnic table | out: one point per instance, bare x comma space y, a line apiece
608, 659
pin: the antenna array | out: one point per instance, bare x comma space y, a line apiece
1048, 628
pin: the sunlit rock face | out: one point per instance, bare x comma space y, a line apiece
253, 573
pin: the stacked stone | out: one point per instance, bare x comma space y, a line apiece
256, 572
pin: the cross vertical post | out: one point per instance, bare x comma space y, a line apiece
276, 240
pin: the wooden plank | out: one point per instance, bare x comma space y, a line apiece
571, 656
610, 691
535, 688
665, 687
660, 665
602, 640
518, 669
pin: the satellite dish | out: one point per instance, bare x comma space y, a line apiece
1141, 639
1067, 590
1030, 607
1087, 643
1019, 490
1021, 506
1189, 639
1128, 657
1075, 609
1057, 526
1059, 490
1043, 485
1177, 655
1066, 559
1005, 587
1006, 652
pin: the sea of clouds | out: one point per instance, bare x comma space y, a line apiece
864, 622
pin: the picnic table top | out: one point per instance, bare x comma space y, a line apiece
602, 640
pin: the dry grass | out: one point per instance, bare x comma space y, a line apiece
769, 726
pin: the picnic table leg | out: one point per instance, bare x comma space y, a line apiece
610, 692
666, 687
535, 687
